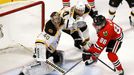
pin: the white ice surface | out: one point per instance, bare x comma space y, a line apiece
12, 60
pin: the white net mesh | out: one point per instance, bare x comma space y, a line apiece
21, 26
20, 23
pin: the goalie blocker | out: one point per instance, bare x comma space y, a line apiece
45, 47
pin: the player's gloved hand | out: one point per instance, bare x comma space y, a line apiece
86, 44
86, 55
88, 58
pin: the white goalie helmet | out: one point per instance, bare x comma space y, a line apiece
80, 7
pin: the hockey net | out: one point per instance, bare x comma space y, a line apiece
20, 23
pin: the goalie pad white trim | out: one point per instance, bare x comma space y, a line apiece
40, 52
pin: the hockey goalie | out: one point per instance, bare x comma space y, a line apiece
45, 48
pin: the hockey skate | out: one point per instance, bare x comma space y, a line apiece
91, 61
121, 72
131, 23
88, 58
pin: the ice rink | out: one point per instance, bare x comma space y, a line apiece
12, 62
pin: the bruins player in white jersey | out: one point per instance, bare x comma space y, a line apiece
75, 24
46, 44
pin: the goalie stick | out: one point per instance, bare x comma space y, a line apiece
72, 67
113, 69
56, 67
59, 69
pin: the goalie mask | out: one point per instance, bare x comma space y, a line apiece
55, 18
99, 22
80, 8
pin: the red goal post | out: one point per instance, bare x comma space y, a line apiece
21, 22
28, 6
11, 12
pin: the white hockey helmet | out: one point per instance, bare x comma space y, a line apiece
80, 7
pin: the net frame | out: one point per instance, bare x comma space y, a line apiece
20, 48
30, 4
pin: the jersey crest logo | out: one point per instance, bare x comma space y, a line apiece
50, 30
105, 33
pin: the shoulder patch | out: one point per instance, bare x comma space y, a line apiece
105, 33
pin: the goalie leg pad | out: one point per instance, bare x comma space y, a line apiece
40, 52
58, 57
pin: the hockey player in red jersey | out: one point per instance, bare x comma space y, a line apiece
66, 3
110, 36
114, 4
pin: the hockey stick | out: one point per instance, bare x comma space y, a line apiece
113, 69
72, 67
56, 67
105, 63
48, 62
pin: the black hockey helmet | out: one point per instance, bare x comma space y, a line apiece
55, 18
54, 14
99, 20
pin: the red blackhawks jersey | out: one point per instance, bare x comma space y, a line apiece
110, 31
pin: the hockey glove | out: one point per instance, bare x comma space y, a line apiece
86, 55
86, 44
88, 58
